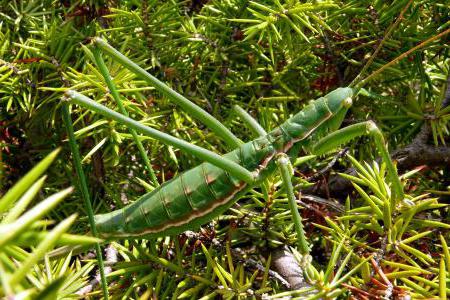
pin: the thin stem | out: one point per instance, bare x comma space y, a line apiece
191, 108
85, 194
286, 175
203, 154
251, 123
400, 57
115, 94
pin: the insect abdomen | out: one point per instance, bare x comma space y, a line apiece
190, 199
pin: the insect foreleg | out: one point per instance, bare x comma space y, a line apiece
346, 134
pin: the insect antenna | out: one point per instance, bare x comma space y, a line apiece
400, 57
380, 45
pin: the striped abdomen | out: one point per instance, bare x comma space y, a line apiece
189, 200
204, 192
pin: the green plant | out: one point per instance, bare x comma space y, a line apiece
211, 52
26, 269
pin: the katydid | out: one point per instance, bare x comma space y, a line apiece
206, 191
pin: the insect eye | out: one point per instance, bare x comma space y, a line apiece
260, 143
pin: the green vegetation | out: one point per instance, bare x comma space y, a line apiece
349, 222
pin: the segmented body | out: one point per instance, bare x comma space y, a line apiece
206, 191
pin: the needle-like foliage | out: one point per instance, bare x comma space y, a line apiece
269, 57
26, 269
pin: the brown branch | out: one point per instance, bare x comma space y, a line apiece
285, 264
420, 154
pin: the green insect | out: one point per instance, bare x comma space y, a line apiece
206, 191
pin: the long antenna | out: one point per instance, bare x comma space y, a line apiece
400, 57
380, 45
